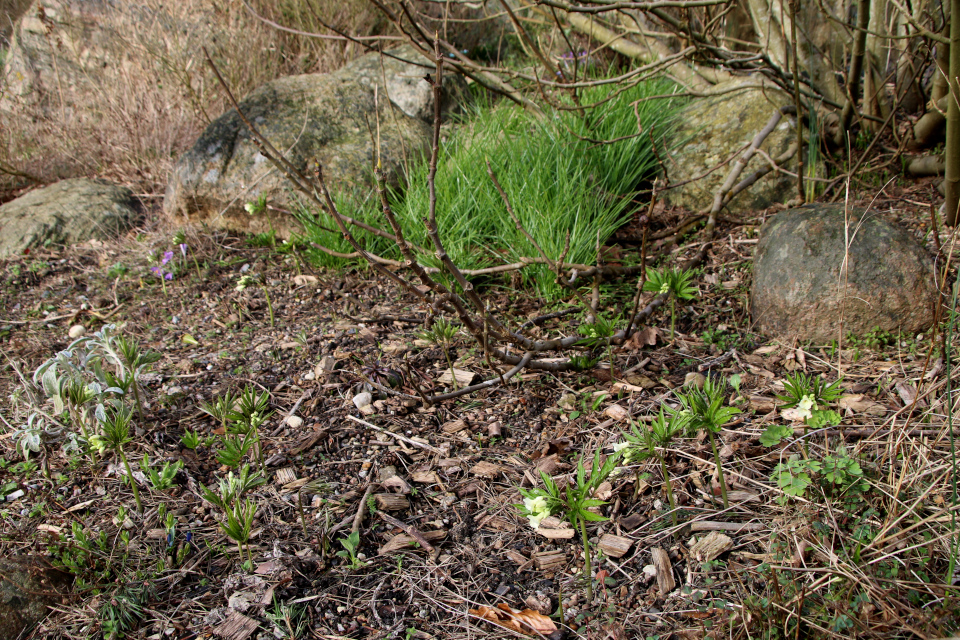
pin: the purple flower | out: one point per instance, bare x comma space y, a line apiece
168, 276
167, 257
183, 250
156, 271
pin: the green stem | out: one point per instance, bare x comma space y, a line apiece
673, 316
948, 349
269, 305
453, 373
133, 481
587, 569
669, 487
303, 518
136, 394
716, 459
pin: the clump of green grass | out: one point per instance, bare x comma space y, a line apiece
558, 179
559, 176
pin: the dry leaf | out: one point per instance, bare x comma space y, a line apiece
642, 338
397, 484
860, 404
907, 392
303, 280
527, 622
616, 412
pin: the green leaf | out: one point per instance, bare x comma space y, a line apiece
775, 434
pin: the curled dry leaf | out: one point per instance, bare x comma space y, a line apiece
527, 622
303, 280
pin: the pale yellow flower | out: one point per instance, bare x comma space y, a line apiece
537, 510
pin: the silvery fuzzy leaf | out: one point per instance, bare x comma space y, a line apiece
57, 404
50, 386
29, 441
116, 390
100, 413
95, 388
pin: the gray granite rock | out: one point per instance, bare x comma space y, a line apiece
797, 276
329, 117
65, 212
712, 129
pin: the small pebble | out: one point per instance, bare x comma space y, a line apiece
76, 331
362, 400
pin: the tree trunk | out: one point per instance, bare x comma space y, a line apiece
951, 180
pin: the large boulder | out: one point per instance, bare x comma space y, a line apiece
333, 118
711, 130
65, 212
802, 288
28, 587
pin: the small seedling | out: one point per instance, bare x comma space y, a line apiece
162, 480
238, 525
115, 426
136, 363
677, 284
443, 333
640, 444
245, 281
221, 407
705, 410
573, 502
190, 439
350, 545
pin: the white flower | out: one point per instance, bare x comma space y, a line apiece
620, 446
665, 287
806, 407
98, 443
244, 282
537, 510
250, 207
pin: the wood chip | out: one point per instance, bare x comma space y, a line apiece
550, 560
661, 562
516, 556
454, 426
285, 476
307, 442
464, 378
425, 477
391, 502
403, 541
554, 528
615, 546
486, 469
50, 528
293, 486
236, 626
762, 404
497, 523
710, 546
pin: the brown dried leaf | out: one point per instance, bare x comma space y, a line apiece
527, 622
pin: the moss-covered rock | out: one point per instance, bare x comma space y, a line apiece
799, 274
711, 130
332, 118
65, 212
